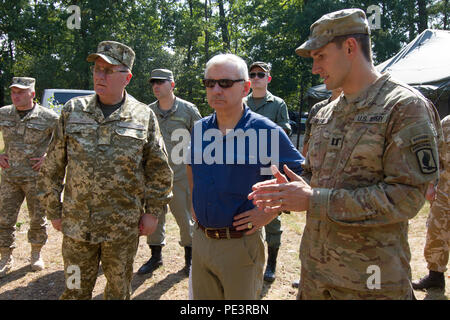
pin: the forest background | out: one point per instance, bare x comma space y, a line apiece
39, 38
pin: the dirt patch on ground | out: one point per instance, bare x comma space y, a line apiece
169, 281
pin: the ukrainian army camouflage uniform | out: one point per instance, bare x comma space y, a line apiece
276, 110
438, 233
117, 259
116, 170
183, 115
24, 138
371, 161
273, 108
314, 109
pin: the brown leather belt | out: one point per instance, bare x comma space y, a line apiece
221, 233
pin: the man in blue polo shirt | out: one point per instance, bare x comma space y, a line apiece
230, 151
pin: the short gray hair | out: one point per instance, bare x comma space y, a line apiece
223, 58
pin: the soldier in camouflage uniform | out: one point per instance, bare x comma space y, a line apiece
438, 233
261, 101
27, 128
312, 113
117, 178
373, 152
173, 114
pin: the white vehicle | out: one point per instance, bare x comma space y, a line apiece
56, 98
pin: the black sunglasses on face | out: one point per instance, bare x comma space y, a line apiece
223, 83
157, 81
259, 74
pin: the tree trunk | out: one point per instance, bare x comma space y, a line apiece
423, 15
224, 26
206, 32
446, 15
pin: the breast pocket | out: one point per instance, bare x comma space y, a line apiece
7, 128
318, 142
130, 141
81, 138
36, 132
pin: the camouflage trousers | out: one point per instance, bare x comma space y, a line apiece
437, 245
180, 206
313, 289
81, 266
12, 195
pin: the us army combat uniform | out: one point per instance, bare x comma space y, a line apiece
438, 233
312, 113
276, 110
116, 170
24, 138
182, 116
371, 160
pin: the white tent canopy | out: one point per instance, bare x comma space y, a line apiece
424, 60
423, 63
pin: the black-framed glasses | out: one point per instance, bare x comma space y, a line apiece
157, 81
106, 71
258, 74
223, 83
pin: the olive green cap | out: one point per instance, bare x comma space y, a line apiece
331, 25
115, 53
161, 74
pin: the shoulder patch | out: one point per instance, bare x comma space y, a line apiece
425, 158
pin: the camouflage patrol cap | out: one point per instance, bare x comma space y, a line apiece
114, 53
161, 74
260, 64
338, 23
23, 83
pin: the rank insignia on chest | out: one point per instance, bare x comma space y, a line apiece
336, 141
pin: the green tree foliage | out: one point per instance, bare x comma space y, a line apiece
183, 35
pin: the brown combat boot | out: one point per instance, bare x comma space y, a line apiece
37, 264
7, 261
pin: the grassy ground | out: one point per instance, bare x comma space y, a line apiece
169, 282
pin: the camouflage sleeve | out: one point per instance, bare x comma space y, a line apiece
314, 109
443, 187
51, 175
283, 117
409, 162
158, 174
195, 116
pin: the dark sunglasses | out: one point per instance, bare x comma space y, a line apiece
157, 81
259, 74
223, 83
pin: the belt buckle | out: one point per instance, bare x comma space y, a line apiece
216, 234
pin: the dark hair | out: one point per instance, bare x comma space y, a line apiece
362, 39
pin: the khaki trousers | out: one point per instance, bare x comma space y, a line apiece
230, 269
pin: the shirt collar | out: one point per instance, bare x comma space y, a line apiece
239, 125
173, 109
364, 98
93, 108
